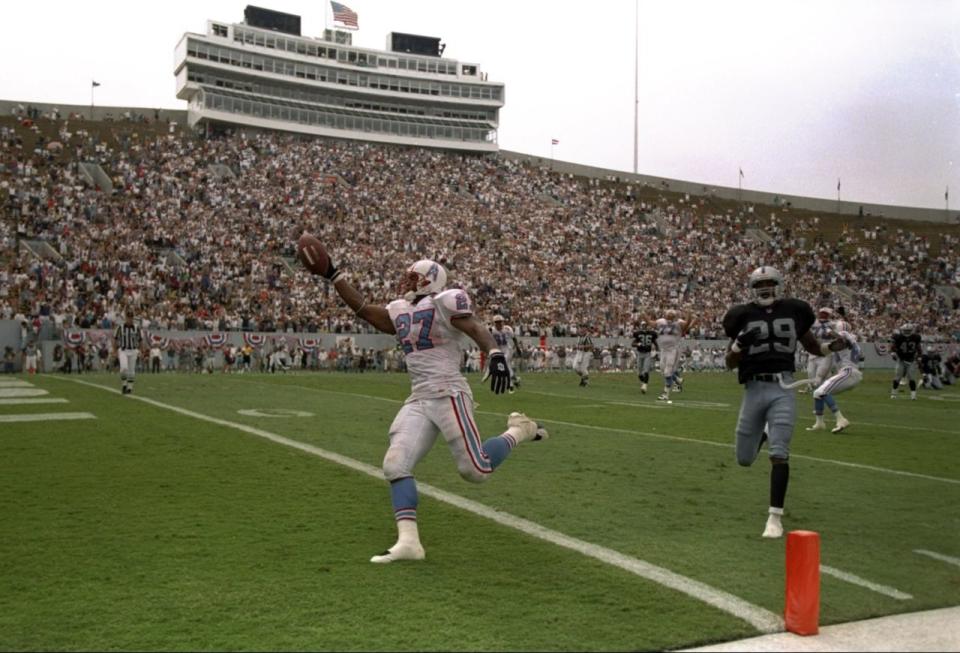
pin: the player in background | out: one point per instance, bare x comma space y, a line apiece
583, 357
430, 325
507, 341
644, 342
905, 347
818, 367
763, 338
670, 332
846, 377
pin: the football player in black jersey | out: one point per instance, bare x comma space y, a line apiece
644, 341
905, 349
764, 335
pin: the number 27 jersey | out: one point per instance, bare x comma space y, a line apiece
430, 342
781, 326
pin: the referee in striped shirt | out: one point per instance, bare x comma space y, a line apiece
127, 347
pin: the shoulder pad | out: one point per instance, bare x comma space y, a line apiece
455, 302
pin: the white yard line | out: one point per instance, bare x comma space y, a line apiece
22, 392
758, 617
45, 417
939, 556
50, 400
862, 582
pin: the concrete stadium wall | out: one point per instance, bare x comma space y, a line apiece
751, 196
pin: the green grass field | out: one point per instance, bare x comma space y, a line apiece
151, 528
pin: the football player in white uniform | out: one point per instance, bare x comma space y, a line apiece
818, 367
507, 341
430, 324
846, 377
670, 332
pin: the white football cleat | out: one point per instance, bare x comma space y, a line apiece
643, 388
842, 423
773, 528
400, 552
819, 426
524, 428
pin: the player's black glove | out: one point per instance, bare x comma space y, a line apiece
747, 338
332, 273
498, 372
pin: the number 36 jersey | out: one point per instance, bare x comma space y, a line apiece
430, 342
781, 325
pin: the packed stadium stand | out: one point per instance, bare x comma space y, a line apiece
190, 245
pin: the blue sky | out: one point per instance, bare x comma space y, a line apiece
796, 93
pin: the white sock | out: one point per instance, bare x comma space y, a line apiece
407, 532
775, 512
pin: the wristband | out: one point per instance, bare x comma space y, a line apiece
735, 347
825, 349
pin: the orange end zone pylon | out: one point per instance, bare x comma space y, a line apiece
802, 611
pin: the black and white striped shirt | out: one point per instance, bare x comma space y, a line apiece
585, 343
127, 336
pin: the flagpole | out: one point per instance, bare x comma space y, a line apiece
552, 144
740, 186
636, 83
92, 87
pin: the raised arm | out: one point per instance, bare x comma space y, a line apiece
378, 316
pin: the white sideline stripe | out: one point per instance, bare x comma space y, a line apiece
14, 383
939, 556
11, 402
662, 436
862, 582
763, 620
45, 417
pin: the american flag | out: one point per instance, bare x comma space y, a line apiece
344, 14
554, 141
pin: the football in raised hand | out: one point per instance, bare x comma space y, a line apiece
312, 254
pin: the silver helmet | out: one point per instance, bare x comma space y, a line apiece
767, 293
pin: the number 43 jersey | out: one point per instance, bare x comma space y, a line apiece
781, 326
431, 344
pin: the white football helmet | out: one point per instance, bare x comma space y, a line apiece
671, 315
768, 293
824, 313
906, 329
425, 277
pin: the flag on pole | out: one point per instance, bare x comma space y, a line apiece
344, 14
554, 141
95, 84
946, 193
741, 173
838, 183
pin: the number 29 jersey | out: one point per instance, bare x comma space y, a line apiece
431, 344
781, 326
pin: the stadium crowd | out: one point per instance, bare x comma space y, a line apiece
192, 245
